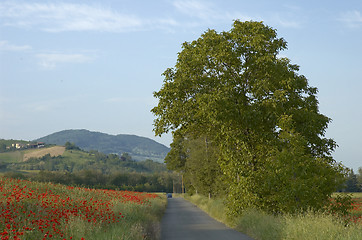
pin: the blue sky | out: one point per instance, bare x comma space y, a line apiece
95, 64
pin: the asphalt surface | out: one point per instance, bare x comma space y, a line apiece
183, 220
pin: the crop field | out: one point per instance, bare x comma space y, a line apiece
53, 151
30, 210
24, 155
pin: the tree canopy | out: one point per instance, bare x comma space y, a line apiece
261, 115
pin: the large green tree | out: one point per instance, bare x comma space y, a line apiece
234, 87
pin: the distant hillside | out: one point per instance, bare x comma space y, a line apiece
140, 148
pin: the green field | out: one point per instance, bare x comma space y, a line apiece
11, 157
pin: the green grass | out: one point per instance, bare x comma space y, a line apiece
319, 226
353, 195
11, 157
214, 207
260, 225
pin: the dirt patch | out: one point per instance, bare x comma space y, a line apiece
53, 151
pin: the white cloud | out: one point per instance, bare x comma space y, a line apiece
285, 21
59, 17
353, 19
207, 11
195, 9
51, 60
6, 46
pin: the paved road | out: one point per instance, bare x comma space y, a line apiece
183, 220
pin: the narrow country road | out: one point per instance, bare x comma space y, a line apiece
183, 220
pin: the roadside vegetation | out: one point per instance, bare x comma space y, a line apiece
308, 225
32, 210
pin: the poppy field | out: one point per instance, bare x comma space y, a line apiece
356, 211
31, 210
349, 206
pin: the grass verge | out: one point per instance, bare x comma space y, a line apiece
214, 207
262, 226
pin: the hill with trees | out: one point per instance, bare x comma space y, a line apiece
140, 148
94, 169
124, 162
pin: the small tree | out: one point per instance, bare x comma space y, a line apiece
176, 157
126, 157
71, 146
2, 147
352, 183
359, 177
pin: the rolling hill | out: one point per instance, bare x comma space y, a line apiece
140, 148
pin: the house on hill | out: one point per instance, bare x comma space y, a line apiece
29, 145
36, 145
17, 145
